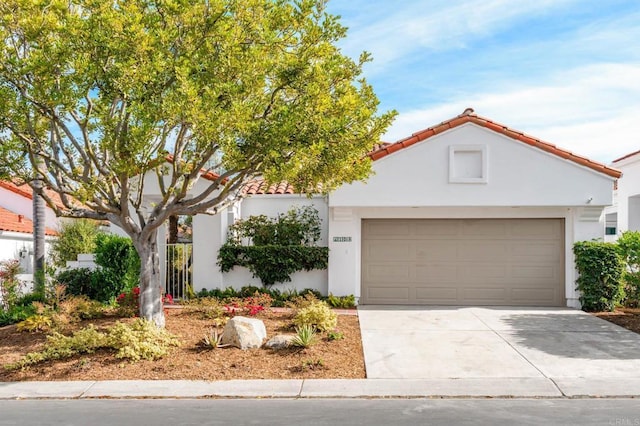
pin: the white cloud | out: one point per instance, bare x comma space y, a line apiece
592, 111
439, 26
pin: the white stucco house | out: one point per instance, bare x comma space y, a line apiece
468, 212
16, 226
624, 214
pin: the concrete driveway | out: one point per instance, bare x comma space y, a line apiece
495, 342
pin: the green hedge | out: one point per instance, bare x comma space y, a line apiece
600, 282
118, 270
629, 249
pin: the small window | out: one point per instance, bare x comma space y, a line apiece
610, 230
468, 164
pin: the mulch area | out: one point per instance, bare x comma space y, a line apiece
327, 359
628, 318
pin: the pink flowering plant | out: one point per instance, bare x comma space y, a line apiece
251, 306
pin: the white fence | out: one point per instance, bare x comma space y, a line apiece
178, 259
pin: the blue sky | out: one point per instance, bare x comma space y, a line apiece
565, 71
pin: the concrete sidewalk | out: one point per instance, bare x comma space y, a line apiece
319, 388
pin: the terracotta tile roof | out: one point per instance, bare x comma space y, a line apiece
13, 222
624, 157
468, 116
260, 187
26, 191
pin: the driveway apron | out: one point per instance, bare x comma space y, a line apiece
412, 342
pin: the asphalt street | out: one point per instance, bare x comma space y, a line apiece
614, 412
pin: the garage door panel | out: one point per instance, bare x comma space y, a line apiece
535, 230
479, 251
392, 229
463, 261
392, 294
389, 251
444, 273
436, 250
536, 251
383, 272
535, 272
482, 272
481, 228
486, 295
437, 295
533, 296
435, 228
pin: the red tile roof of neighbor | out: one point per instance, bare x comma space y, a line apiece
13, 222
624, 157
26, 191
468, 116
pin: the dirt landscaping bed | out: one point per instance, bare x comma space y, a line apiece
326, 359
628, 318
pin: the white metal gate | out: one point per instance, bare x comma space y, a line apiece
178, 270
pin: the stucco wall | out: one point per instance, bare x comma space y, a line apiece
209, 233
517, 175
628, 195
18, 245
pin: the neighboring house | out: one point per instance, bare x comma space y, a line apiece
16, 226
16, 238
624, 215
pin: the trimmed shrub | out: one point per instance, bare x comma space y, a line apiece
119, 261
600, 281
343, 302
75, 237
118, 270
317, 314
77, 282
629, 248
140, 340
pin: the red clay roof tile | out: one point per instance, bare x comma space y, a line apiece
13, 222
624, 157
260, 187
26, 191
468, 116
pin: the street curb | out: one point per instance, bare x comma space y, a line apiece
325, 388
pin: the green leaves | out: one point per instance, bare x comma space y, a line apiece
273, 264
277, 247
600, 267
629, 248
104, 89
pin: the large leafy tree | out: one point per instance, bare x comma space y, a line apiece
95, 94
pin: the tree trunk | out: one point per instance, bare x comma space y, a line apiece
173, 229
151, 285
38, 238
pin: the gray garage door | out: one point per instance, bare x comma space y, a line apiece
463, 262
